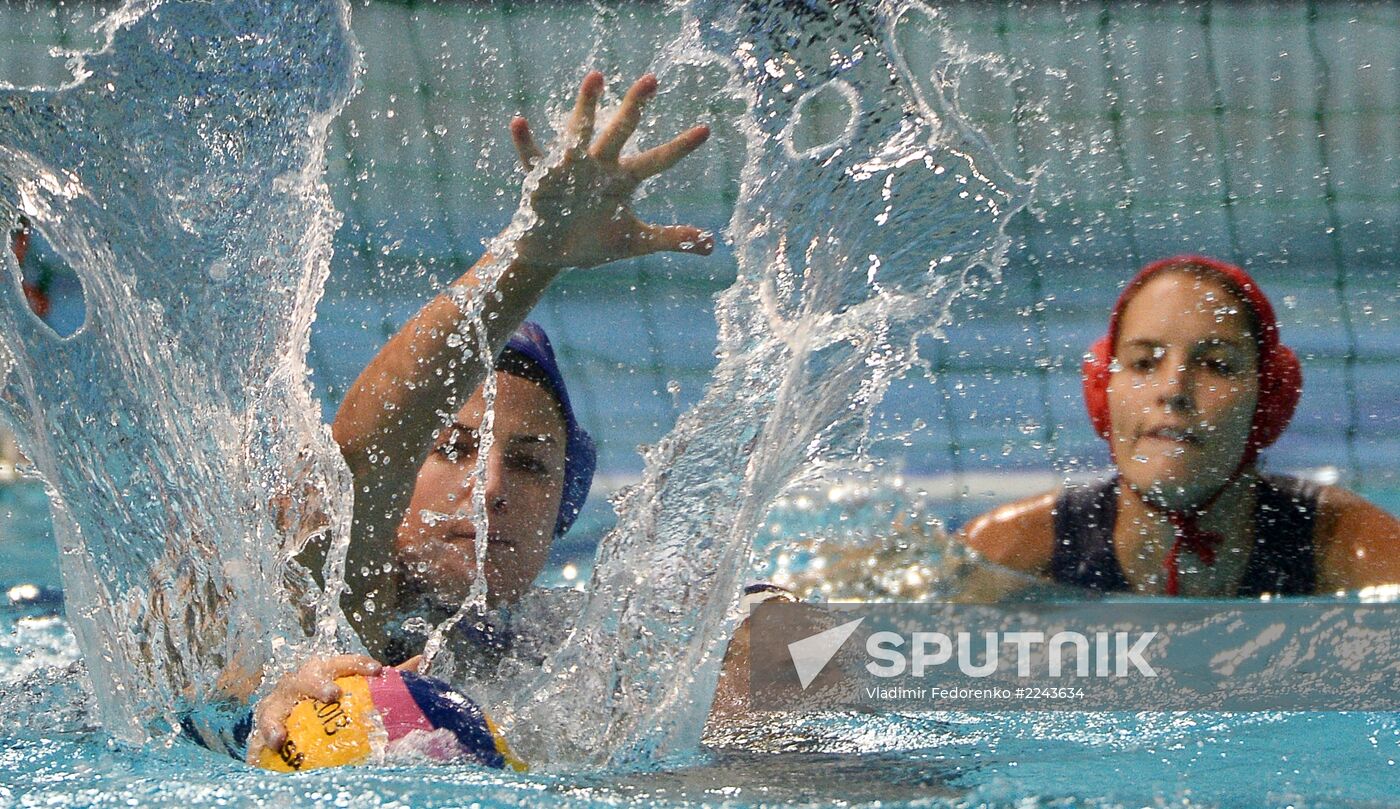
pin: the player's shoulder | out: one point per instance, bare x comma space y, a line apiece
1019, 534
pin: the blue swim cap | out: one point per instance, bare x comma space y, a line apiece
580, 456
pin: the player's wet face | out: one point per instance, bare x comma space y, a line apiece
1184, 386
436, 544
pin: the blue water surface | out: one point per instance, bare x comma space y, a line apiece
54, 754
1005, 400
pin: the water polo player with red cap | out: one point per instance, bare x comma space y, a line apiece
1189, 385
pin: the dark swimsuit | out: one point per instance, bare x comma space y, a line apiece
1282, 562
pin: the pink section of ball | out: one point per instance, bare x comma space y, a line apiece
396, 707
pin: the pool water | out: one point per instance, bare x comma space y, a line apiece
54, 754
900, 761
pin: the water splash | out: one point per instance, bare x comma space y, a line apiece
849, 249
179, 175
176, 429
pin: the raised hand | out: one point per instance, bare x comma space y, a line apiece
583, 203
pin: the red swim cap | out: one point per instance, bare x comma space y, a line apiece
1280, 374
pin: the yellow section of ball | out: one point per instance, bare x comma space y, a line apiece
327, 734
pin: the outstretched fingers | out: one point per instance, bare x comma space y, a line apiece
654, 161
625, 121
673, 239
580, 129
525, 145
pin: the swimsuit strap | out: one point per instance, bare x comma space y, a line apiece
1083, 554
1283, 561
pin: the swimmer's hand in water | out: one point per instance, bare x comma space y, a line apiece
315, 679
584, 202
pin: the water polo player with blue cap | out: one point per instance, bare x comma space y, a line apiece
537, 478
1189, 385
538, 474
413, 544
